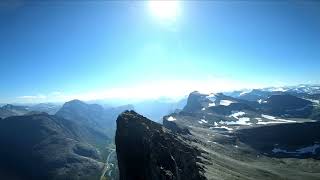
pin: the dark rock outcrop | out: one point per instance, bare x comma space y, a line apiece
146, 150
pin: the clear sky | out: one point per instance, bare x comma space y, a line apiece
56, 51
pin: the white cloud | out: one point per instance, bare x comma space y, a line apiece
31, 98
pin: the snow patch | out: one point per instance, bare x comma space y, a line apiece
278, 150
244, 92
279, 89
309, 149
171, 118
211, 97
268, 122
202, 121
268, 117
225, 102
314, 101
224, 127
211, 104
227, 128
237, 114
240, 121
276, 119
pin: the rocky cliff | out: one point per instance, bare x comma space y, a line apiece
147, 150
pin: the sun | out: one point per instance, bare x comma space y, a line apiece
164, 9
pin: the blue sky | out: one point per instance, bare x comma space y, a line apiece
56, 51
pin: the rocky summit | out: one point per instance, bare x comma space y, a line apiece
147, 150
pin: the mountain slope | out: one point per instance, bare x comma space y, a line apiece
240, 142
49, 108
46, 147
12, 110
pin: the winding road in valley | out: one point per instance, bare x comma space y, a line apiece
107, 164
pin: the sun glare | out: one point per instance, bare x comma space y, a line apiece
164, 9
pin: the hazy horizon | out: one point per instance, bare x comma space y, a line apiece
116, 99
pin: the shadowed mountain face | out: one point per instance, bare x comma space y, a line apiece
286, 140
146, 150
92, 115
45, 147
287, 105
89, 114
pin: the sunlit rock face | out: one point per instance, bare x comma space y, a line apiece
147, 150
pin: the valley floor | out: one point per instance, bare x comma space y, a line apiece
226, 157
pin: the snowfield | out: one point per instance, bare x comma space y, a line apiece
211, 104
223, 127
276, 120
240, 121
202, 121
171, 118
309, 149
273, 119
211, 97
237, 114
225, 102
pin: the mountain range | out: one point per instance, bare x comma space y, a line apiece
269, 133
236, 138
